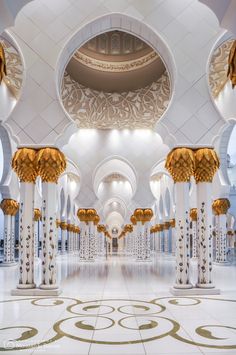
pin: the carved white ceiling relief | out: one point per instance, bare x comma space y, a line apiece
140, 108
218, 68
14, 76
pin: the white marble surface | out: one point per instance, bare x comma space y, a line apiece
131, 300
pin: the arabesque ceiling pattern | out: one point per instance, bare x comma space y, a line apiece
218, 67
141, 108
14, 68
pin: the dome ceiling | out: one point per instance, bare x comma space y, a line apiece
115, 81
115, 62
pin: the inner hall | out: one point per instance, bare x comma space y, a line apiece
117, 177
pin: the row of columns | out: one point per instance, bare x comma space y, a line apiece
92, 237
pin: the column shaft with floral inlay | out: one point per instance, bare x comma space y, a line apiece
220, 208
37, 216
51, 164
70, 237
63, 226
133, 220
166, 237
173, 236
180, 164
10, 208
193, 232
25, 165
207, 163
58, 223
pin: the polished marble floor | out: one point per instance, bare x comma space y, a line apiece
117, 307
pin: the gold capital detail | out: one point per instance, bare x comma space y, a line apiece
51, 164
96, 220
166, 225
9, 207
58, 223
24, 164
37, 214
88, 215
101, 228
133, 220
221, 206
193, 214
180, 164
143, 214
128, 228
207, 163
172, 223
63, 226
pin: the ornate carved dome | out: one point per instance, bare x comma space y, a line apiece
115, 80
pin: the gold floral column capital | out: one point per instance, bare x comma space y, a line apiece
159, 227
51, 164
63, 226
193, 214
128, 228
91, 214
9, 207
172, 223
96, 220
138, 214
58, 223
221, 206
133, 220
206, 164
25, 165
180, 164
37, 214
81, 214
166, 225
147, 214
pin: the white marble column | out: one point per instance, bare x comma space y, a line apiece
166, 236
220, 208
58, 223
147, 241
206, 164
37, 216
63, 226
51, 163
91, 240
24, 163
173, 237
133, 220
180, 164
69, 237
158, 238
161, 234
193, 232
10, 208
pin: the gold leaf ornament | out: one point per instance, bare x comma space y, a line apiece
180, 163
51, 164
25, 165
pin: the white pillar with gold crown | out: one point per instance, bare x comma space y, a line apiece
24, 164
51, 163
